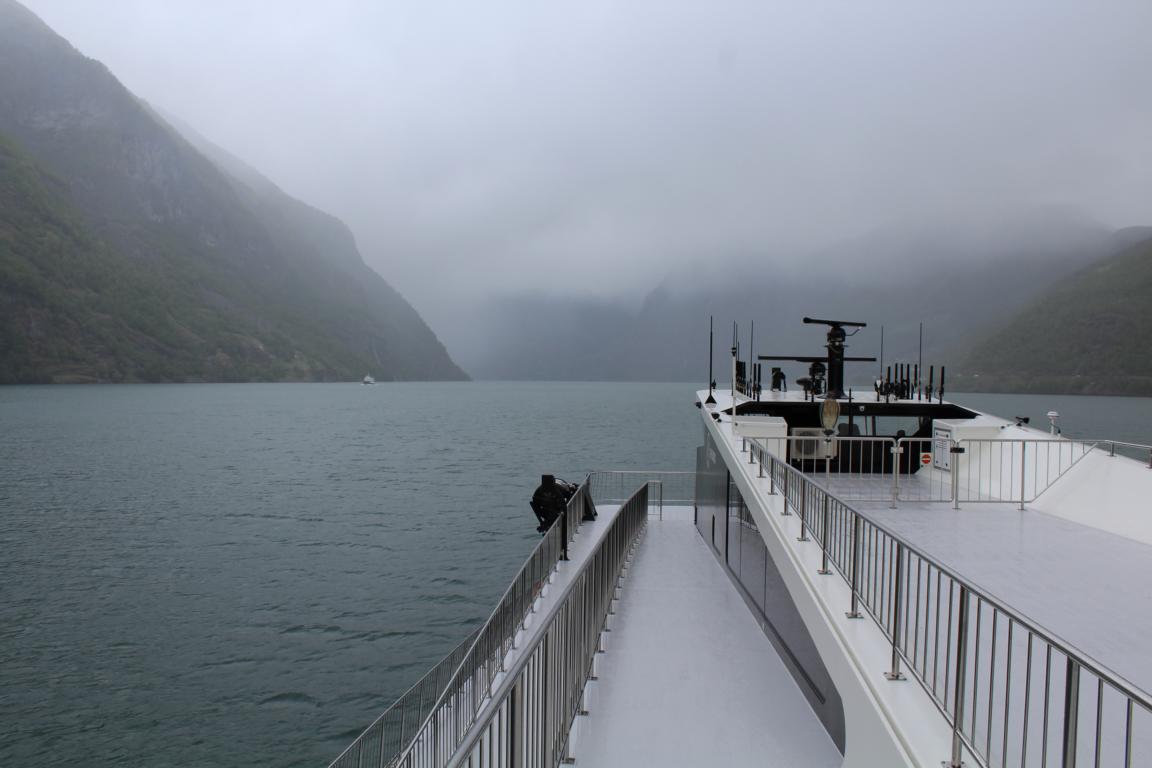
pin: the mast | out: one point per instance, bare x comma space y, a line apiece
920, 361
881, 352
711, 381
734, 351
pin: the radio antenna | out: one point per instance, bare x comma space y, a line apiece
881, 351
752, 341
711, 382
920, 362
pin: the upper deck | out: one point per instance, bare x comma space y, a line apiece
1074, 556
1051, 534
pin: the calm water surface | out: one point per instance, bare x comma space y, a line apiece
246, 575
217, 575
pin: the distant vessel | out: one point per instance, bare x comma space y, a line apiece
860, 580
368, 380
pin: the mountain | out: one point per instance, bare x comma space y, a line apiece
957, 280
1090, 333
129, 254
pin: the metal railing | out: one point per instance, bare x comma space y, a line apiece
528, 719
445, 703
1138, 451
1012, 470
921, 469
396, 726
1013, 693
674, 488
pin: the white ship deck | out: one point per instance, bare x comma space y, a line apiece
1070, 561
688, 677
1075, 561
1088, 586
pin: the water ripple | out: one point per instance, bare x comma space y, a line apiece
248, 574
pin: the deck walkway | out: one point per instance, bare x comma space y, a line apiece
1089, 586
689, 678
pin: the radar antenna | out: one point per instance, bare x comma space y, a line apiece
836, 359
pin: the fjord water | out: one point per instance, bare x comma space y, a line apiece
215, 575
210, 575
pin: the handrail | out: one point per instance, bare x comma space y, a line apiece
475, 669
884, 468
1114, 443
529, 716
669, 486
945, 570
458, 705
1015, 472
878, 565
381, 741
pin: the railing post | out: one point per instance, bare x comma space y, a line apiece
1071, 712
771, 474
954, 467
894, 671
515, 725
824, 571
1023, 470
803, 514
961, 678
854, 613
564, 534
786, 474
896, 450
760, 456
404, 725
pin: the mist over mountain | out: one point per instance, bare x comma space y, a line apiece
127, 253
958, 279
1090, 333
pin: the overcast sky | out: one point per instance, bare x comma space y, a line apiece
586, 146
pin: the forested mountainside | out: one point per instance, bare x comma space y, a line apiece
127, 254
1091, 333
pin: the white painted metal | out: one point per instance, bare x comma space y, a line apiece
761, 426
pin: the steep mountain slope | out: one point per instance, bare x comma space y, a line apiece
70, 305
1090, 334
244, 281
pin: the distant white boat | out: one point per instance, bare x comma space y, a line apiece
368, 380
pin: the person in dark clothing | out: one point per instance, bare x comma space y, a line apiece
778, 382
551, 499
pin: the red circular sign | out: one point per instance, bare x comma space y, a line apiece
925, 459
